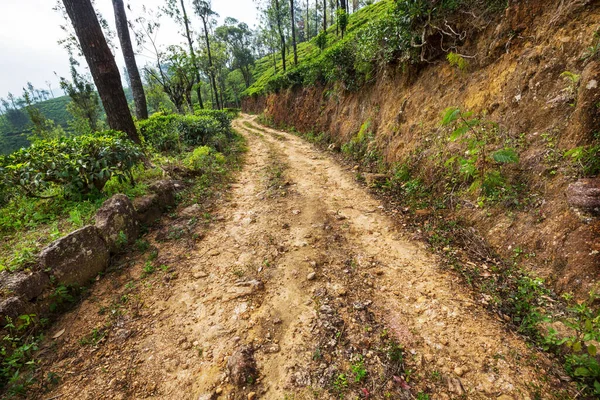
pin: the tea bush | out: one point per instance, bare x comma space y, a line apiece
79, 166
171, 133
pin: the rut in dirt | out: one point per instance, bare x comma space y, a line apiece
327, 298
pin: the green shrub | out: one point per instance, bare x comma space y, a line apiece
197, 130
205, 160
168, 133
78, 165
223, 117
160, 131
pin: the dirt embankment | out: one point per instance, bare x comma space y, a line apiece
514, 79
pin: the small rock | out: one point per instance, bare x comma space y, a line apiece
459, 371
311, 276
219, 391
191, 211
242, 367
274, 348
252, 396
199, 274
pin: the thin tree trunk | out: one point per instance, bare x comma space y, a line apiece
294, 32
280, 30
186, 22
102, 66
210, 64
139, 98
307, 28
324, 15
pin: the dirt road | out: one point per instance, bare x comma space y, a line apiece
301, 267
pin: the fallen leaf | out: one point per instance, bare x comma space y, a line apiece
58, 334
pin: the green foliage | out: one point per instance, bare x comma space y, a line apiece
481, 165
160, 131
342, 20
458, 61
78, 166
340, 383
362, 146
358, 370
585, 159
16, 354
321, 40
85, 103
205, 160
16, 125
583, 323
170, 133
594, 49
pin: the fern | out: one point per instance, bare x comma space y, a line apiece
458, 61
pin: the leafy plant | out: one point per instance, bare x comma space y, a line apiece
586, 159
79, 166
572, 81
480, 163
458, 61
583, 323
16, 353
358, 370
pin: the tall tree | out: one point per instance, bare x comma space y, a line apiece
180, 15
294, 32
307, 28
324, 15
135, 81
238, 39
204, 11
278, 19
102, 66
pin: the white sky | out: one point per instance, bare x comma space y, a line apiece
29, 31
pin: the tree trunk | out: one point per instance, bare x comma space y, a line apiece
324, 15
102, 66
294, 32
139, 98
307, 28
280, 30
210, 64
188, 34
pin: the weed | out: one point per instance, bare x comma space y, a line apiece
94, 338
16, 354
422, 396
572, 80
458, 61
584, 327
340, 383
149, 269
358, 370
122, 240
480, 166
142, 245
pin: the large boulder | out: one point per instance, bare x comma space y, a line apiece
26, 285
117, 222
77, 257
147, 208
585, 195
165, 192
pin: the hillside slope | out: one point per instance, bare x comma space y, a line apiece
532, 70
